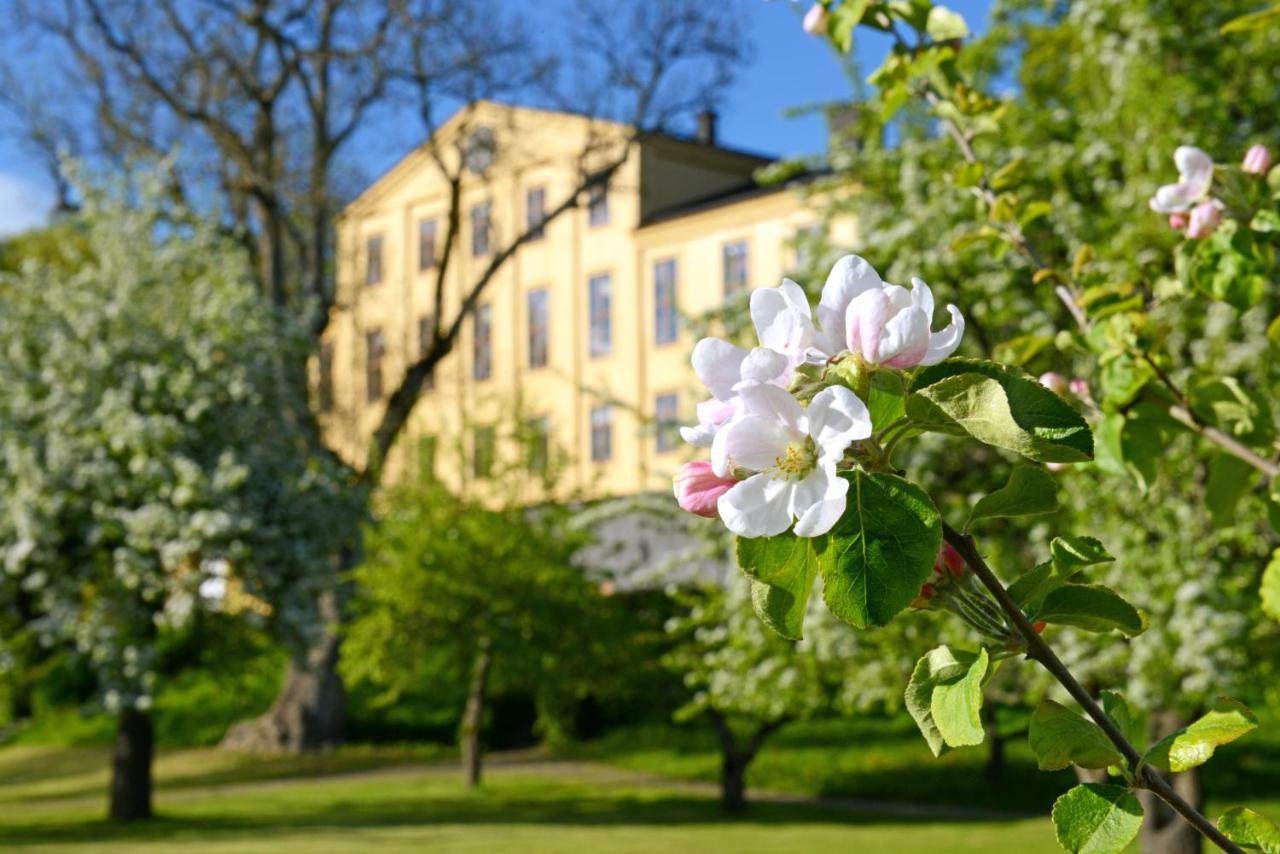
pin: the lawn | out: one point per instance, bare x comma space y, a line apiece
51, 800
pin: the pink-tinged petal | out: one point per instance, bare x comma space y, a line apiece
1204, 220
1257, 160
922, 297
763, 365
1195, 169
815, 20
905, 340
819, 501
698, 489
718, 364
757, 507
899, 298
775, 404
864, 320
851, 276
754, 442
944, 342
837, 417
716, 412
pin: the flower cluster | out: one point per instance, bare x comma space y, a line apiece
1188, 203
774, 459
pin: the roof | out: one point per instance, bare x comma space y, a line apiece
745, 192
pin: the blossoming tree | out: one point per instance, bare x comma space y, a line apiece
151, 460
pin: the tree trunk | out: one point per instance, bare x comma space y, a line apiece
994, 770
131, 767
1164, 831
473, 715
733, 784
309, 712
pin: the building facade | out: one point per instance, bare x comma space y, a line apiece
581, 333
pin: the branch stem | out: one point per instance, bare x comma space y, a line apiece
1039, 650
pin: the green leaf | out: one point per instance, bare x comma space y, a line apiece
1034, 584
1229, 478
842, 20
944, 25
1002, 407
1252, 21
946, 721
1073, 553
1034, 211
881, 551
1091, 607
887, 399
1059, 737
1193, 745
782, 570
1029, 492
1270, 590
1250, 830
1097, 818
1117, 708
1265, 220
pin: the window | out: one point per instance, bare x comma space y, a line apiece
539, 447
598, 205
374, 351
426, 325
539, 318
480, 229
665, 321
601, 433
535, 206
426, 244
600, 301
666, 412
427, 457
324, 386
482, 342
373, 260
482, 447
735, 267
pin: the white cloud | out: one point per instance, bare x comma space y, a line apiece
24, 204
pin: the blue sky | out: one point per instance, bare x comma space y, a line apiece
789, 69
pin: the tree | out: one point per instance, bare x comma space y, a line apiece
152, 459
470, 591
263, 99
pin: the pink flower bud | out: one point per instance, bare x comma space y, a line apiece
1055, 382
949, 560
921, 602
1204, 219
1055, 466
698, 488
1177, 220
815, 20
1039, 626
1079, 386
1257, 160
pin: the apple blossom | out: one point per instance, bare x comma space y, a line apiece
1079, 386
815, 20
1257, 160
794, 453
1195, 174
784, 322
698, 488
949, 560
1177, 220
1205, 218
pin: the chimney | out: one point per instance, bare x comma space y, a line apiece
707, 127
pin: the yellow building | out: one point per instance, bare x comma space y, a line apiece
581, 331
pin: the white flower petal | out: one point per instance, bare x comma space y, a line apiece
755, 442
836, 418
757, 507
763, 365
922, 297
774, 403
819, 501
851, 276
699, 435
863, 322
943, 343
783, 321
1172, 198
718, 364
1195, 169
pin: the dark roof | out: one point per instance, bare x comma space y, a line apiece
743, 192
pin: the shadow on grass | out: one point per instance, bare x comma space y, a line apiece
230, 820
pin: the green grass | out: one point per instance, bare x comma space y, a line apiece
211, 802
